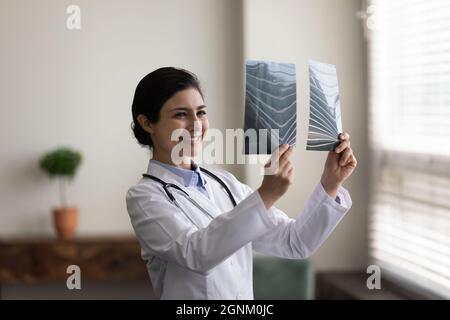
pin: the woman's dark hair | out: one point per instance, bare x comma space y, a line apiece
153, 91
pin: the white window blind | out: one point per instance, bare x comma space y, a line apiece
409, 128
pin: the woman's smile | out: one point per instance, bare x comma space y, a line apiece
193, 138
183, 120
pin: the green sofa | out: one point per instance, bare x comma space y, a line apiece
282, 279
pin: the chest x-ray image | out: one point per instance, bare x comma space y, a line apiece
270, 103
325, 123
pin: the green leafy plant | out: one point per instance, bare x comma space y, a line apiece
62, 164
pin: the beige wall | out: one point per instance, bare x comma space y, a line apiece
325, 30
76, 87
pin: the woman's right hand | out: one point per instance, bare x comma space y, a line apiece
276, 184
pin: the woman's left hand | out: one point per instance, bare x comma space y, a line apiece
339, 166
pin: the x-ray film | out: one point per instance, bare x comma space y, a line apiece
324, 107
270, 106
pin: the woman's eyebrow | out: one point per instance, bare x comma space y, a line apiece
187, 109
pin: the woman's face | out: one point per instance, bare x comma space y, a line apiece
185, 110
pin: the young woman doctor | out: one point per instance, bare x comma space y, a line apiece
197, 228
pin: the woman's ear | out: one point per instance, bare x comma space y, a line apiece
145, 123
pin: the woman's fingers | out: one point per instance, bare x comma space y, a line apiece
280, 151
277, 153
353, 162
346, 156
290, 174
280, 157
286, 166
286, 154
284, 159
342, 146
344, 136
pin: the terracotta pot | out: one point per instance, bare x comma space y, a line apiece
66, 222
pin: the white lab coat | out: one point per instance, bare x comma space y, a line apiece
215, 260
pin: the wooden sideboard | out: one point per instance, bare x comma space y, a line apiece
45, 260
351, 285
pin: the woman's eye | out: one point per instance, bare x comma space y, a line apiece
180, 114
201, 113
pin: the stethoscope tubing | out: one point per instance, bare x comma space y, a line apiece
167, 185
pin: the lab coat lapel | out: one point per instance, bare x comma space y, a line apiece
204, 202
218, 197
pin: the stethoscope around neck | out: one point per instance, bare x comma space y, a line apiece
166, 186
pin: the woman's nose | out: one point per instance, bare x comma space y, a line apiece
194, 125
193, 117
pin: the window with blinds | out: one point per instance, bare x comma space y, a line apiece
409, 128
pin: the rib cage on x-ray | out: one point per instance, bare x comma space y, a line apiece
325, 111
270, 103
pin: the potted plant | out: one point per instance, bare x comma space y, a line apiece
62, 164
